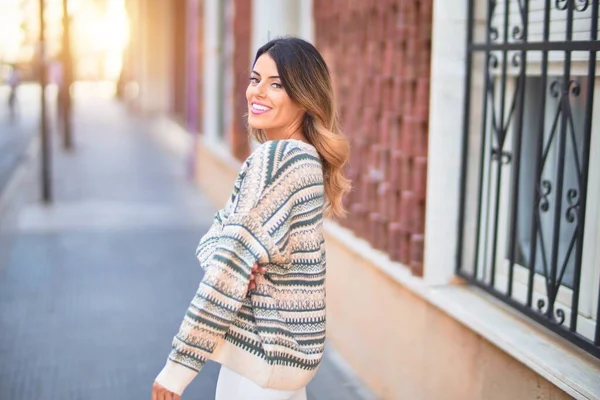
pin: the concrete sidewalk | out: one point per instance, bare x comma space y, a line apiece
15, 133
93, 287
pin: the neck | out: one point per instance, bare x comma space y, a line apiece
290, 132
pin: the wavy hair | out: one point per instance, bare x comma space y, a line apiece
306, 79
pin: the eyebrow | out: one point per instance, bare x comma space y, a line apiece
271, 77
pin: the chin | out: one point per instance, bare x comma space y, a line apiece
257, 124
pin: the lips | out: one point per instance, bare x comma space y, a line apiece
259, 108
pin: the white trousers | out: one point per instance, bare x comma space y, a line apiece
233, 386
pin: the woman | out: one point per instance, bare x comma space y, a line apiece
260, 308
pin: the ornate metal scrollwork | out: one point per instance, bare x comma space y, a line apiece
575, 87
540, 305
518, 32
560, 315
562, 4
504, 156
494, 33
516, 60
493, 61
546, 190
555, 89
573, 200
583, 5
492, 30
578, 5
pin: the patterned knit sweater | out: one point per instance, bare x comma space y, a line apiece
274, 217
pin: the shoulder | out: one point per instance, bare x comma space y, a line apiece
275, 152
278, 158
270, 150
278, 170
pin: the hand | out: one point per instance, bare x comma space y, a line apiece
256, 269
161, 393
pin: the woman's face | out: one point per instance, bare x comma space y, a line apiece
269, 106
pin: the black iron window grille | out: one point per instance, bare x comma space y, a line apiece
530, 188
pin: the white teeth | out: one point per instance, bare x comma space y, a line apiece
259, 107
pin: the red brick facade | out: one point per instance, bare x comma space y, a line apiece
379, 54
241, 71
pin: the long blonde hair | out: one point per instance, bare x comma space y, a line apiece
306, 79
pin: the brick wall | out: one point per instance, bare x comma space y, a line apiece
241, 71
379, 54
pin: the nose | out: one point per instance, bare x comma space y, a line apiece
258, 90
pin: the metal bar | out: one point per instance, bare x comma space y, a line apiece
481, 167
572, 337
496, 218
597, 335
500, 139
544, 253
565, 263
517, 140
560, 175
488, 207
45, 137
551, 138
538, 164
465, 140
579, 45
587, 132
486, 78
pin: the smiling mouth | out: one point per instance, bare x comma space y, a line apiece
257, 109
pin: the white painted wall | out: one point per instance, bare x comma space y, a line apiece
211, 80
282, 17
306, 29
445, 138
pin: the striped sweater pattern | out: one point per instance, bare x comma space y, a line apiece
276, 335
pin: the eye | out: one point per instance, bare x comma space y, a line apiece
254, 80
276, 85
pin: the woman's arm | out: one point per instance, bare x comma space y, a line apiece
241, 243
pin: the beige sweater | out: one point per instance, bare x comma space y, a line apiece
274, 217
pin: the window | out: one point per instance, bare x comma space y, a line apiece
532, 209
530, 170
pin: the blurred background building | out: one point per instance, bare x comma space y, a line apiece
469, 266
100, 27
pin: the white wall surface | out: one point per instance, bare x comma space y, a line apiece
278, 18
445, 138
212, 55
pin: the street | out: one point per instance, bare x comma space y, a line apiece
94, 286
